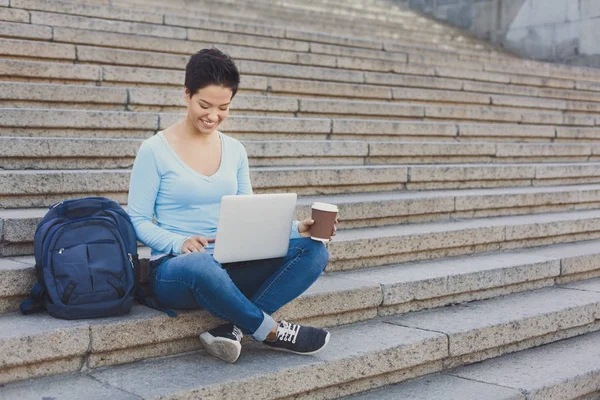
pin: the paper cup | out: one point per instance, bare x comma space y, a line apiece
324, 215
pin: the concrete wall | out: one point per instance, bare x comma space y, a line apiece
566, 31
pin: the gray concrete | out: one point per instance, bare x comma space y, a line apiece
437, 387
490, 324
77, 387
355, 351
562, 31
564, 370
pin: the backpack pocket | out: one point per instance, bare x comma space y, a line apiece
70, 265
90, 272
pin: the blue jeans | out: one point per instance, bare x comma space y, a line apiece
244, 293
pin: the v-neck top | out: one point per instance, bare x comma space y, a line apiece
183, 202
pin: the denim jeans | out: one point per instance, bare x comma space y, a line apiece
244, 293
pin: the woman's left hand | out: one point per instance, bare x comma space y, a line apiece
304, 228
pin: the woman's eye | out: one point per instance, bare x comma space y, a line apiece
206, 108
223, 109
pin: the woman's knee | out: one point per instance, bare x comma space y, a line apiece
318, 253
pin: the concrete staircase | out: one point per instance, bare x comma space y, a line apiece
468, 182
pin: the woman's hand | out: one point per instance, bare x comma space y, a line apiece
304, 228
195, 244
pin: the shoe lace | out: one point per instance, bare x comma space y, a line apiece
287, 331
237, 333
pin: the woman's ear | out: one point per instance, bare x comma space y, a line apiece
187, 95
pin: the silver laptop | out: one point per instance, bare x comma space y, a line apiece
254, 227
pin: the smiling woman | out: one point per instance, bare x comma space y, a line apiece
178, 179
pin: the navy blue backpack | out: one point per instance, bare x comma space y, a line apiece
86, 261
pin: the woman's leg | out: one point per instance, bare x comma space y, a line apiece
270, 284
197, 279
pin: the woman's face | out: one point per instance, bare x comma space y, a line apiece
208, 108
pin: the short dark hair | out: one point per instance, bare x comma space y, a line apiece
211, 67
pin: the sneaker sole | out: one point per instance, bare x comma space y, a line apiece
304, 354
224, 349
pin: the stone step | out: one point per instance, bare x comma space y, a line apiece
438, 339
353, 351
365, 210
409, 286
567, 369
40, 188
508, 66
114, 124
18, 153
251, 61
352, 30
85, 32
379, 86
58, 17
411, 103
375, 246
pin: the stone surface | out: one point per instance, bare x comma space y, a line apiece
26, 31
400, 128
16, 278
47, 338
483, 130
224, 25
89, 10
138, 28
360, 108
296, 86
302, 72
77, 119
427, 280
434, 387
78, 387
446, 96
130, 57
325, 38
209, 36
120, 40
15, 15
353, 352
33, 49
565, 369
142, 75
28, 69
412, 81
64, 93
491, 323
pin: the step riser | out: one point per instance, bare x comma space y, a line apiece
340, 259
110, 76
76, 163
181, 337
40, 189
415, 248
20, 231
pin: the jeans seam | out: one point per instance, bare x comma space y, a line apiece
278, 276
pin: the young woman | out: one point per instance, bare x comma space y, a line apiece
178, 179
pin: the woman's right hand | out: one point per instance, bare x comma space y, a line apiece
194, 244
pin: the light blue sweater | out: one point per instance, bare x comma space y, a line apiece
183, 202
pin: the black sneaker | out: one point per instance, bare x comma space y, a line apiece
299, 339
224, 342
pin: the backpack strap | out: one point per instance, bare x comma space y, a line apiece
139, 293
35, 302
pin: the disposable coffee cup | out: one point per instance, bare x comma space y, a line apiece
324, 215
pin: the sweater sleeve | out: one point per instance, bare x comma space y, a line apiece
245, 186
143, 189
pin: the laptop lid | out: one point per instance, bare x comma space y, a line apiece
254, 227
